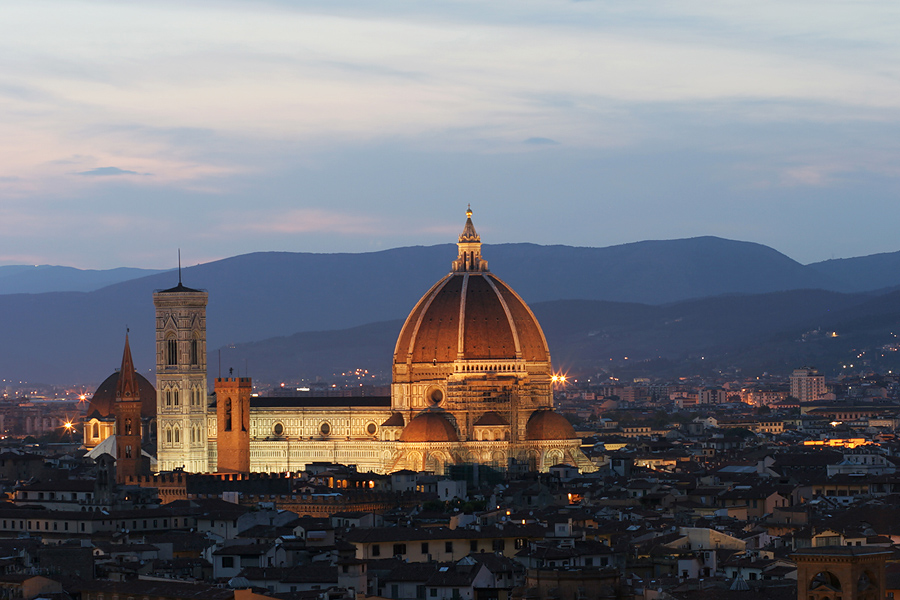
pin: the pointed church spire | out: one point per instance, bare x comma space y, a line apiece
469, 234
127, 387
469, 245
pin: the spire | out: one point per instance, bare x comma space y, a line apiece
469, 244
127, 388
469, 234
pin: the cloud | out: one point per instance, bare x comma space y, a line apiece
541, 141
108, 171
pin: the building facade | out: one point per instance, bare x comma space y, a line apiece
807, 385
181, 394
471, 384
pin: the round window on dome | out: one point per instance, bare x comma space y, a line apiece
278, 429
434, 395
324, 428
371, 428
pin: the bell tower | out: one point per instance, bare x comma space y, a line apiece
128, 420
233, 424
181, 378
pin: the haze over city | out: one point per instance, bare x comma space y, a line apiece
231, 127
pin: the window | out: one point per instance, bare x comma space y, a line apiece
95, 433
448, 546
168, 397
171, 352
176, 434
175, 397
499, 545
376, 550
399, 549
127, 427
128, 451
195, 356
168, 435
227, 562
432, 592
420, 592
395, 590
473, 545
424, 547
519, 543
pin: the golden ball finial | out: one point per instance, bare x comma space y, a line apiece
469, 212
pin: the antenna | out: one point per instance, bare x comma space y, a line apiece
179, 266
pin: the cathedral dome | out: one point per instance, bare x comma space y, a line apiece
471, 315
429, 427
104, 399
548, 425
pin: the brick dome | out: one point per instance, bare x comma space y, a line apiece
104, 398
429, 427
471, 315
496, 324
548, 425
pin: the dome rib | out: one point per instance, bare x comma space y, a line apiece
509, 317
461, 337
422, 308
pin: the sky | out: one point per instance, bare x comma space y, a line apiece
131, 129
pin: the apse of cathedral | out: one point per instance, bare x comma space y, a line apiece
471, 385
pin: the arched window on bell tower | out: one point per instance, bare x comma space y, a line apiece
195, 351
171, 351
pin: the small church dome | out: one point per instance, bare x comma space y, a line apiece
104, 399
429, 427
548, 425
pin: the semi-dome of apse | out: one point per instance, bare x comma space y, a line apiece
548, 425
429, 427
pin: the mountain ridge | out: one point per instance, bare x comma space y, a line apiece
77, 336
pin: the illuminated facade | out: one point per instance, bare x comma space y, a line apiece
181, 398
807, 385
471, 384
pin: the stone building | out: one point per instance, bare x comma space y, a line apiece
471, 384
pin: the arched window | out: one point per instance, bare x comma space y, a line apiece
127, 427
177, 435
168, 435
168, 397
175, 396
171, 351
128, 451
195, 354
95, 430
